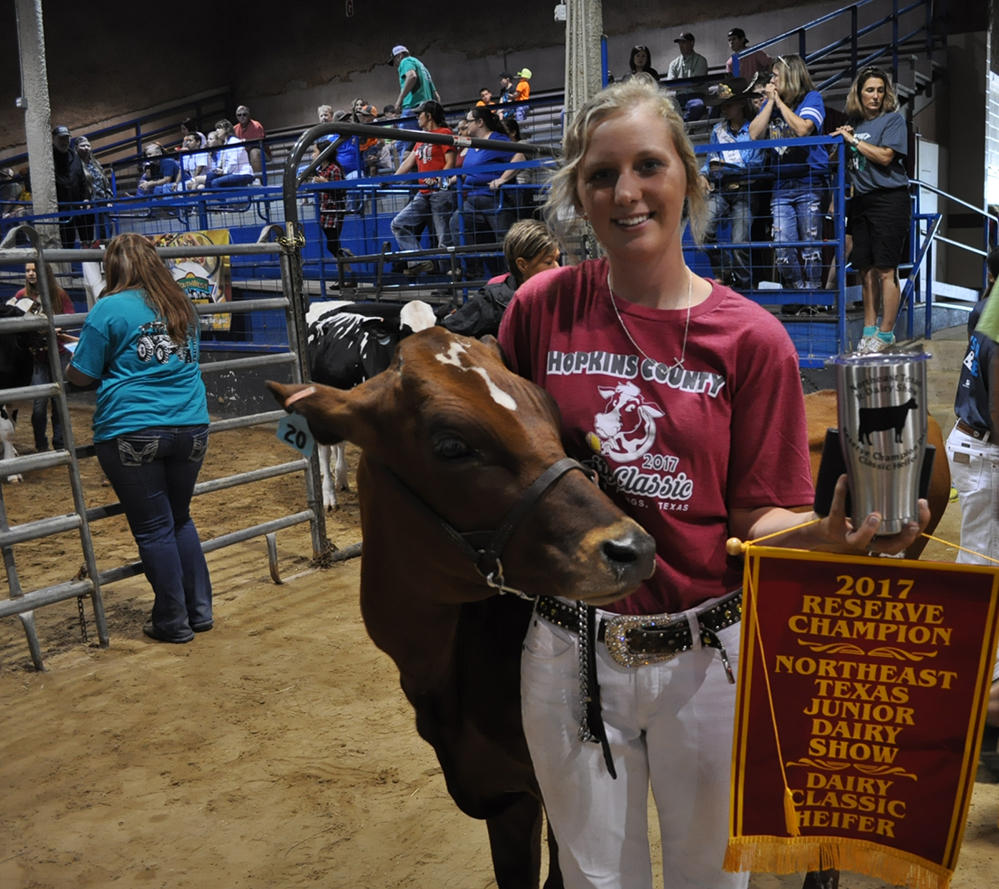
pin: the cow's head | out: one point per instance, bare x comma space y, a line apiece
469, 437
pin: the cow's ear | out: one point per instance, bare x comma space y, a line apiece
325, 409
336, 415
491, 342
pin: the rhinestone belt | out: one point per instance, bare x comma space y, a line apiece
637, 640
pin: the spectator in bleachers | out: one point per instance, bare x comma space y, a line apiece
880, 209
434, 202
751, 64
251, 131
793, 109
332, 202
325, 113
160, 174
194, 162
725, 177
487, 215
521, 93
71, 190
416, 85
641, 63
485, 96
686, 65
213, 142
98, 188
528, 180
507, 89
232, 167
189, 125
374, 156
389, 112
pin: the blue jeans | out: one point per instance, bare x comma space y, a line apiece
733, 205
484, 225
231, 180
40, 375
153, 472
797, 212
423, 209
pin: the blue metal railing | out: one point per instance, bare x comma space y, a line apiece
853, 37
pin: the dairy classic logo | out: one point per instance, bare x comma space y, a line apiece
627, 427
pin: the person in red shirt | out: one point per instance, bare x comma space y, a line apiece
434, 202
29, 299
251, 131
685, 399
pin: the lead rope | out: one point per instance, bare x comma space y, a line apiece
591, 723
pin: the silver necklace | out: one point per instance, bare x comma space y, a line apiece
686, 327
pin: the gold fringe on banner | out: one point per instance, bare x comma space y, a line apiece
788, 856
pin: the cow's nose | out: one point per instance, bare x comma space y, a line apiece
631, 554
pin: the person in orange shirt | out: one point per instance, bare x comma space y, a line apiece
522, 93
485, 97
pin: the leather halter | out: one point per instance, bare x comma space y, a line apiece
484, 548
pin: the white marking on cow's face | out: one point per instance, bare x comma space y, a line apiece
502, 398
453, 357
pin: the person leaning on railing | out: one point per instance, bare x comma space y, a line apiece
487, 218
878, 141
793, 109
725, 178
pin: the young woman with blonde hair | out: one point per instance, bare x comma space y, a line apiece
685, 400
141, 341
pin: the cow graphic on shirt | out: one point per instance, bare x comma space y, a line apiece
626, 428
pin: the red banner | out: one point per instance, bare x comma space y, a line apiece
862, 692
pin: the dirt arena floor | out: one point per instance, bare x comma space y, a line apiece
275, 751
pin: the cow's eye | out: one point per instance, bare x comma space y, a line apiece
451, 449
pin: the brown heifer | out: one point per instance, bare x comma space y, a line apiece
821, 410
449, 434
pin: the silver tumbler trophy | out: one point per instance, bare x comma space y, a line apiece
882, 432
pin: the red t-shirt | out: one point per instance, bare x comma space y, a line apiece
63, 306
677, 449
430, 157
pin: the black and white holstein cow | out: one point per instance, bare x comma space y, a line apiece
348, 344
16, 365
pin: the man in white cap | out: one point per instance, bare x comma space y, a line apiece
416, 86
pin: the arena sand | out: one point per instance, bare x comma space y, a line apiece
275, 751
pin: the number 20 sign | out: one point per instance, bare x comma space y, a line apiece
294, 432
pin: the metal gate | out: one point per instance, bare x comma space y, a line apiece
22, 602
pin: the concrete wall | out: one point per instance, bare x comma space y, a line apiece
117, 58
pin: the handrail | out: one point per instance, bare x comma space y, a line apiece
852, 37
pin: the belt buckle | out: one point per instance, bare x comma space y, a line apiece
616, 638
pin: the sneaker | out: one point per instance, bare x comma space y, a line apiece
153, 633
863, 346
419, 268
879, 345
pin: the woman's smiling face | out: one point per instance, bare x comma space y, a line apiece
631, 185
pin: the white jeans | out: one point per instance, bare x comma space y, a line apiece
974, 471
670, 723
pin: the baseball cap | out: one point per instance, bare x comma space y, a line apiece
60, 131
506, 74
737, 32
685, 37
396, 50
368, 110
525, 73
